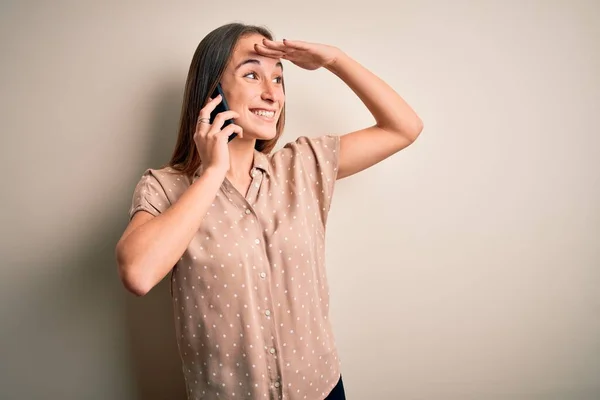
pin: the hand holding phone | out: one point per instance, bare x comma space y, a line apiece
221, 107
211, 139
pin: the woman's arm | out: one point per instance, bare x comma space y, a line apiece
397, 125
151, 246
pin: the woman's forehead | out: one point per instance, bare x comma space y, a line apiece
244, 51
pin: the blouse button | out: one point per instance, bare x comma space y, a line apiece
272, 350
247, 211
263, 275
268, 312
257, 241
276, 384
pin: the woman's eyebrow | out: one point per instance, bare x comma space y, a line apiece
255, 61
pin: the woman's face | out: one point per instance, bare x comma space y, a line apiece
253, 87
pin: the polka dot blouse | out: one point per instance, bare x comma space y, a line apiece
250, 294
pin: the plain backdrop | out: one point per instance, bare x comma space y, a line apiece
465, 267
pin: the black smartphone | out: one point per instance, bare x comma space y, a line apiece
222, 106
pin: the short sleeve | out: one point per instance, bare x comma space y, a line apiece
319, 158
149, 195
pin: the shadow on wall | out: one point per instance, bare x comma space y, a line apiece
149, 319
155, 360
56, 334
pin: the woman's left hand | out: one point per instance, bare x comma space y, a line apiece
305, 55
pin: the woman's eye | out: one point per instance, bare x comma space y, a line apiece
279, 79
250, 73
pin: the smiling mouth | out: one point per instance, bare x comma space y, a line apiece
263, 114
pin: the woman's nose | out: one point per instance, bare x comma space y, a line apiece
269, 91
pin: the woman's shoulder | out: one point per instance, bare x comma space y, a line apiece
309, 143
307, 147
163, 172
166, 176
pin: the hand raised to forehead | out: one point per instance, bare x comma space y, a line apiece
306, 55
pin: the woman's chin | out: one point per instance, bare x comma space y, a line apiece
260, 135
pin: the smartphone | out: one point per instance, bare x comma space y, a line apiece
222, 106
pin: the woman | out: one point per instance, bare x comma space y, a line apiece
242, 231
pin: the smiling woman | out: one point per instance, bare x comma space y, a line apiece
253, 86
225, 55
241, 230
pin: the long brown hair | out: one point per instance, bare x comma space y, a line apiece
206, 69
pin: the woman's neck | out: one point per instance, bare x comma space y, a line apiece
241, 159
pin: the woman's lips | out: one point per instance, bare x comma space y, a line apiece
269, 117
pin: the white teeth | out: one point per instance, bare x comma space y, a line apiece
268, 114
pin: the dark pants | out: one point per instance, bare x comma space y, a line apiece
338, 392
